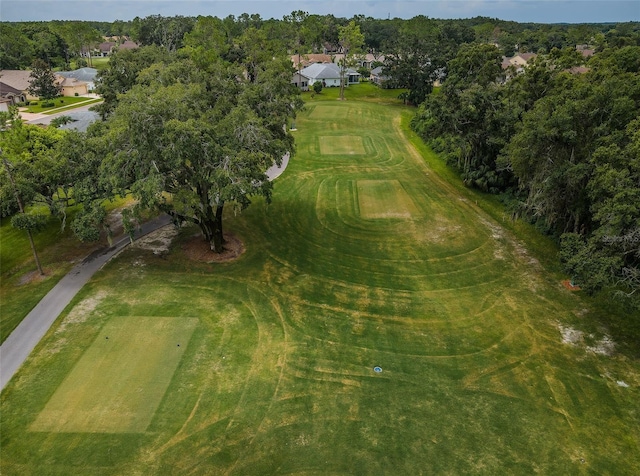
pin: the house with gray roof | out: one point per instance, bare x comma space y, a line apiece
328, 74
378, 77
86, 75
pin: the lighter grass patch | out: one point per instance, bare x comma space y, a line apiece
327, 113
341, 145
384, 199
119, 381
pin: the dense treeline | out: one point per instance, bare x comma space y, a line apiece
561, 145
58, 41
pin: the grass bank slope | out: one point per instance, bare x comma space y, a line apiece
366, 258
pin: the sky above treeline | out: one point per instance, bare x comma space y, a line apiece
538, 11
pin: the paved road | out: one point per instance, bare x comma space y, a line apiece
17, 347
81, 116
274, 171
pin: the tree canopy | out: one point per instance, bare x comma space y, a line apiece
560, 145
187, 141
43, 82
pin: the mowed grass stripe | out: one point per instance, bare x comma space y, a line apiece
384, 199
121, 378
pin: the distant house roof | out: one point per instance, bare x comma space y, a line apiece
128, 45
579, 70
324, 71
378, 74
7, 91
16, 78
527, 56
321, 71
587, 53
82, 74
307, 59
69, 82
518, 60
106, 46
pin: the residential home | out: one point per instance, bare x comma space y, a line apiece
368, 60
585, 51
521, 59
13, 95
505, 62
300, 81
16, 84
329, 74
87, 75
331, 49
72, 86
105, 48
128, 45
378, 77
517, 62
5, 104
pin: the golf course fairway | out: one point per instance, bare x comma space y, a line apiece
378, 322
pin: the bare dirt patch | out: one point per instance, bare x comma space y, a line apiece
81, 311
570, 335
604, 346
158, 241
33, 277
197, 249
601, 346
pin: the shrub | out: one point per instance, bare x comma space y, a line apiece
48, 104
317, 87
76, 94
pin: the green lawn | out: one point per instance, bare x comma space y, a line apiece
362, 260
61, 104
21, 287
361, 92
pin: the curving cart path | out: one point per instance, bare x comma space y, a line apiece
17, 347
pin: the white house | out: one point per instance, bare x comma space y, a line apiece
328, 75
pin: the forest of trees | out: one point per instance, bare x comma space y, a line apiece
560, 146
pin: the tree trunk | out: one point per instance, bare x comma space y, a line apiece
342, 73
21, 208
218, 238
35, 253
